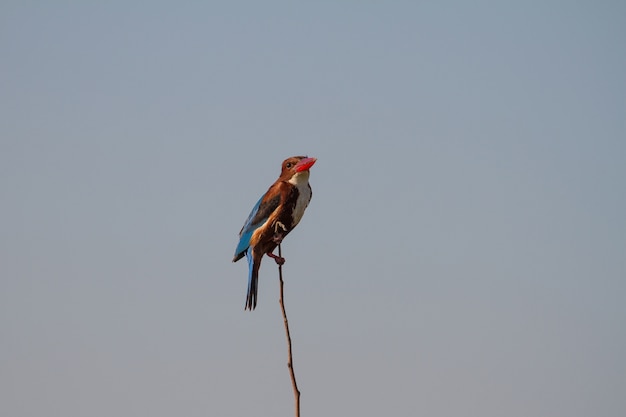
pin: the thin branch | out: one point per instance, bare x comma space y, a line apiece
294, 384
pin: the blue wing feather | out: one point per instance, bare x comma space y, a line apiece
259, 215
248, 228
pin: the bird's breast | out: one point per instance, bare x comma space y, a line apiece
301, 203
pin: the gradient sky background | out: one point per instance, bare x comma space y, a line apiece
464, 253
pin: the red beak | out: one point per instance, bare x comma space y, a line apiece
305, 164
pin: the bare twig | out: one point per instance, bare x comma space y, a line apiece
294, 384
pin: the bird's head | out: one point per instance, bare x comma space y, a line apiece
297, 166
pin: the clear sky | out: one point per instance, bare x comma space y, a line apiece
464, 253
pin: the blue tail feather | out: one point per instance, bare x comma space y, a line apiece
253, 278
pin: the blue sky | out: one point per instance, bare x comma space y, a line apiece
464, 252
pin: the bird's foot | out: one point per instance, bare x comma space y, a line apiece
279, 260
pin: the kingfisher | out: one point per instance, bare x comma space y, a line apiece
276, 213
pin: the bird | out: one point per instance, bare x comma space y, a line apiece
276, 214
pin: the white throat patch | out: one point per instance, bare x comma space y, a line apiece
300, 178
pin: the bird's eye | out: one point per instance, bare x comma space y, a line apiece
289, 165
